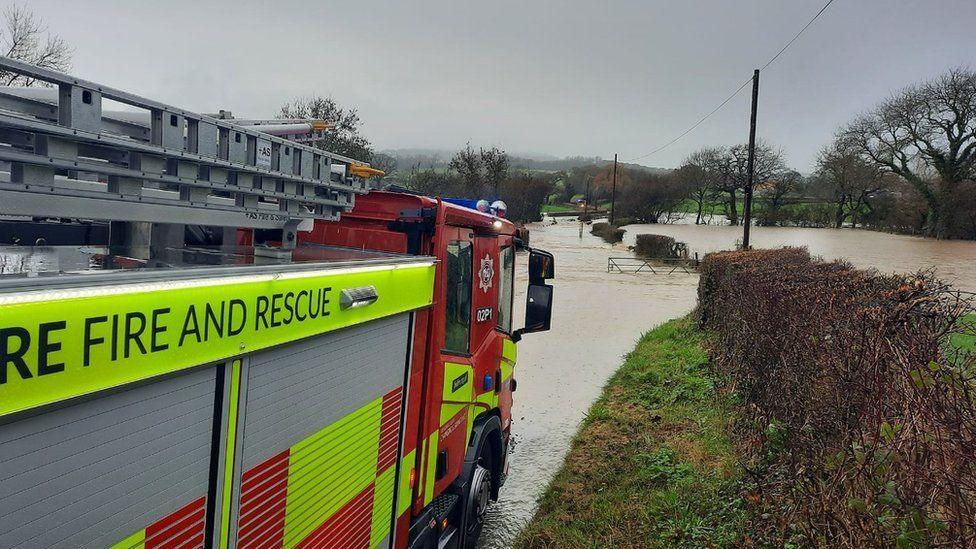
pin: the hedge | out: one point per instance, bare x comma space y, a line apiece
607, 232
858, 418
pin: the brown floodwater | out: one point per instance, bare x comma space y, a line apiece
953, 260
597, 318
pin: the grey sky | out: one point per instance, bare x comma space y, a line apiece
563, 78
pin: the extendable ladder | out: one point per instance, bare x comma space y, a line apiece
155, 163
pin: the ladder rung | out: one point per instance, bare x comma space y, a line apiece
166, 165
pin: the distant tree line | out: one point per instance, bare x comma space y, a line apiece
486, 174
907, 166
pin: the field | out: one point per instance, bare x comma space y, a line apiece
558, 208
967, 341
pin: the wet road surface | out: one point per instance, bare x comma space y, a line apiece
597, 318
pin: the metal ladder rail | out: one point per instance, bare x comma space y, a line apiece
197, 156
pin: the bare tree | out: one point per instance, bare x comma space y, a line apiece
928, 125
774, 193
385, 162
496, 164
524, 193
482, 171
26, 38
733, 173
342, 135
700, 173
651, 197
848, 180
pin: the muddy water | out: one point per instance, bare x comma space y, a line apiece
953, 260
598, 317
596, 320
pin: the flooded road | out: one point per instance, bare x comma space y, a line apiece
597, 318
954, 260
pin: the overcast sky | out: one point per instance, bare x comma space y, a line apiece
563, 78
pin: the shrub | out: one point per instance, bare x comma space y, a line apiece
607, 232
656, 246
858, 418
624, 221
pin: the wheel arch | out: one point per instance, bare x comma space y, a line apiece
486, 435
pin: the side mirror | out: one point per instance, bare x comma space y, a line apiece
542, 266
538, 310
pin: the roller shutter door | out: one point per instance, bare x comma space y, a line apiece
319, 439
131, 466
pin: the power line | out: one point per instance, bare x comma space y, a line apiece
740, 88
805, 27
696, 124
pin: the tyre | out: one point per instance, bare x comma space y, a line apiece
476, 503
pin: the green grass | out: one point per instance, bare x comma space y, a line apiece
967, 340
652, 464
551, 208
713, 208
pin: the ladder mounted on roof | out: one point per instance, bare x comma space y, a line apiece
155, 163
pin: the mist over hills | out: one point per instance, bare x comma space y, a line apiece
411, 158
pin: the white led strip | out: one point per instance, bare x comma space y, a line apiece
141, 287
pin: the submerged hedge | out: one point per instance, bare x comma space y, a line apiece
610, 233
657, 246
858, 416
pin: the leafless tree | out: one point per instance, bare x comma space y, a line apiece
774, 193
342, 136
482, 171
651, 197
25, 37
701, 174
524, 193
928, 125
733, 173
847, 180
385, 162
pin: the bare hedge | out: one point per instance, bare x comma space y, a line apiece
656, 246
858, 417
607, 232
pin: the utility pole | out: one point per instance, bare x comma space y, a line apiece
613, 191
586, 205
586, 199
747, 221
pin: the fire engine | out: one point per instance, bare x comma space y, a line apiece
215, 334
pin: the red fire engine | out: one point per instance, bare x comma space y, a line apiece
213, 334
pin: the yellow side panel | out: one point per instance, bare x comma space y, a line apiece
405, 493
135, 541
316, 463
382, 503
66, 343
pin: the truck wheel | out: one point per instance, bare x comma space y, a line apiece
481, 473
478, 498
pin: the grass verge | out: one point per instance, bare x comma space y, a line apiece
652, 464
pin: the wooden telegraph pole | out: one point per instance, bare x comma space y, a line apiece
747, 221
613, 191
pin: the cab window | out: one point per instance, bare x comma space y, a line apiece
506, 280
458, 324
